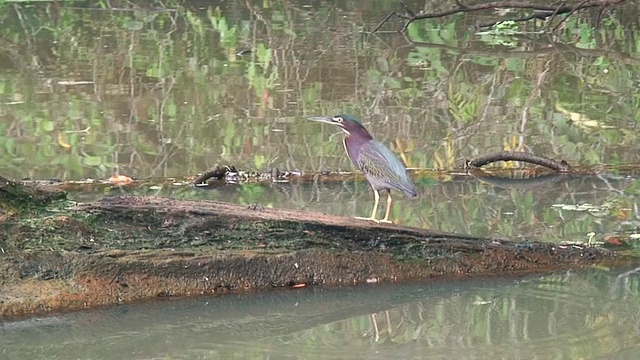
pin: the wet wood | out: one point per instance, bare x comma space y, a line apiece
558, 166
131, 248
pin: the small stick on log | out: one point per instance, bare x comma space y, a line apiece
558, 166
217, 172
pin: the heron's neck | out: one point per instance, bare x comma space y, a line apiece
352, 145
362, 137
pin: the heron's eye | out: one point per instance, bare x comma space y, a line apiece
338, 119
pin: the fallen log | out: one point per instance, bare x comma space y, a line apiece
131, 248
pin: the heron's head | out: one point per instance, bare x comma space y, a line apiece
346, 123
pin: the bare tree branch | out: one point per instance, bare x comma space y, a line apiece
558, 166
540, 11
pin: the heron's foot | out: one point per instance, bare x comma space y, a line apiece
372, 219
377, 221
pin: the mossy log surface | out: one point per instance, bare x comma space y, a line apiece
14, 194
131, 248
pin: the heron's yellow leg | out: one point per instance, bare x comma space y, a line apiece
375, 208
386, 214
374, 320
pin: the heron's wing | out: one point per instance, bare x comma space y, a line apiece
383, 169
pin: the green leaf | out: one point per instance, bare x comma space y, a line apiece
133, 25
393, 83
92, 160
10, 145
172, 110
48, 126
259, 160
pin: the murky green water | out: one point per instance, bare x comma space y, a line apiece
89, 92
548, 209
587, 315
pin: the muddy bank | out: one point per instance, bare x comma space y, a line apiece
130, 248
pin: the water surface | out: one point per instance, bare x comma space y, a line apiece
585, 315
87, 92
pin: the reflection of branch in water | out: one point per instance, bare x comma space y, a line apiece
539, 11
535, 93
624, 282
550, 48
580, 6
520, 183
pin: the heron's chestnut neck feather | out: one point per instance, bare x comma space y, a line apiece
354, 140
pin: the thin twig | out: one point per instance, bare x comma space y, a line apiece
580, 6
384, 21
554, 14
406, 8
599, 18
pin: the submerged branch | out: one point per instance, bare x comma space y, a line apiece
558, 166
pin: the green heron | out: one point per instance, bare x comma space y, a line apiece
383, 170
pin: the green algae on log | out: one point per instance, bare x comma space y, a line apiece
130, 248
15, 194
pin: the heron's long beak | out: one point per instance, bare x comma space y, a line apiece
325, 119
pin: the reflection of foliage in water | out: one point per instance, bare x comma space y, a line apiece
163, 93
583, 315
169, 85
